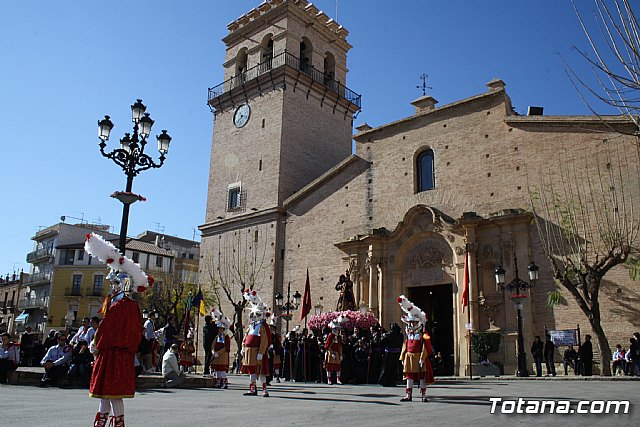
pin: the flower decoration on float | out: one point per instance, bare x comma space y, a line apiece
352, 318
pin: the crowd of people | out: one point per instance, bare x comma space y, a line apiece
367, 356
624, 361
627, 361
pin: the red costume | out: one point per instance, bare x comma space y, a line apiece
116, 340
333, 352
416, 349
277, 349
222, 348
257, 341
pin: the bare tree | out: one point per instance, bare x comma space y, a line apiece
614, 41
588, 220
236, 262
170, 293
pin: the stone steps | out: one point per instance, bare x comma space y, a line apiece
32, 377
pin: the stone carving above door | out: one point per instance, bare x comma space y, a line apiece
427, 263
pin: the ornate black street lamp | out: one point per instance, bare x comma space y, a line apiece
517, 287
131, 157
288, 306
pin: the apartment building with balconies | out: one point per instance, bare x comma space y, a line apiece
11, 286
47, 255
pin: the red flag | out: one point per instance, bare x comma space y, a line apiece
306, 299
465, 290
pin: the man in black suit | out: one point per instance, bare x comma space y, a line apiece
209, 331
585, 355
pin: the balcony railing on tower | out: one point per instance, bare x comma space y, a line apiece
281, 60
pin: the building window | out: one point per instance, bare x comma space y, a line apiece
76, 283
135, 256
80, 255
67, 256
159, 261
235, 199
98, 279
426, 175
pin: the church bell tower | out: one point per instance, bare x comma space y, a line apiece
283, 115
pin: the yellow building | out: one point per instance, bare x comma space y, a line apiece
67, 284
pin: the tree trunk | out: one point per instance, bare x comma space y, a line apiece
603, 346
239, 335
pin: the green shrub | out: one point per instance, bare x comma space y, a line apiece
483, 343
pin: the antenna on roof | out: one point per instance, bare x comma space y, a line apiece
424, 86
63, 218
337, 11
159, 228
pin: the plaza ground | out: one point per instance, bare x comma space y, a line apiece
452, 402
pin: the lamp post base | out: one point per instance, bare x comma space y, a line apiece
522, 366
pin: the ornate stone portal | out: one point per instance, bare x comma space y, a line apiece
428, 264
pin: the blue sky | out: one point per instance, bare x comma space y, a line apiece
65, 64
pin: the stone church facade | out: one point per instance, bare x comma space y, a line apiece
287, 195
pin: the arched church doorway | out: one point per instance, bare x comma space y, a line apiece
437, 303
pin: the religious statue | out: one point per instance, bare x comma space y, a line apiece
345, 287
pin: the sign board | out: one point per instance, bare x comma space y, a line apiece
565, 337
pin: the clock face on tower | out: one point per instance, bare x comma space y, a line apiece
241, 116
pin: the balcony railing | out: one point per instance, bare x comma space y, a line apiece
94, 293
285, 58
38, 278
73, 292
34, 302
39, 254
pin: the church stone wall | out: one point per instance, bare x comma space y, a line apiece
327, 216
485, 162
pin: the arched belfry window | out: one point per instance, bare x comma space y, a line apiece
329, 68
306, 51
266, 52
241, 61
426, 171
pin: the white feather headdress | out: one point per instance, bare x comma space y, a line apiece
257, 305
414, 314
98, 247
220, 319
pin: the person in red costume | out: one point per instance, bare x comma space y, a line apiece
333, 350
255, 357
415, 350
117, 339
221, 350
